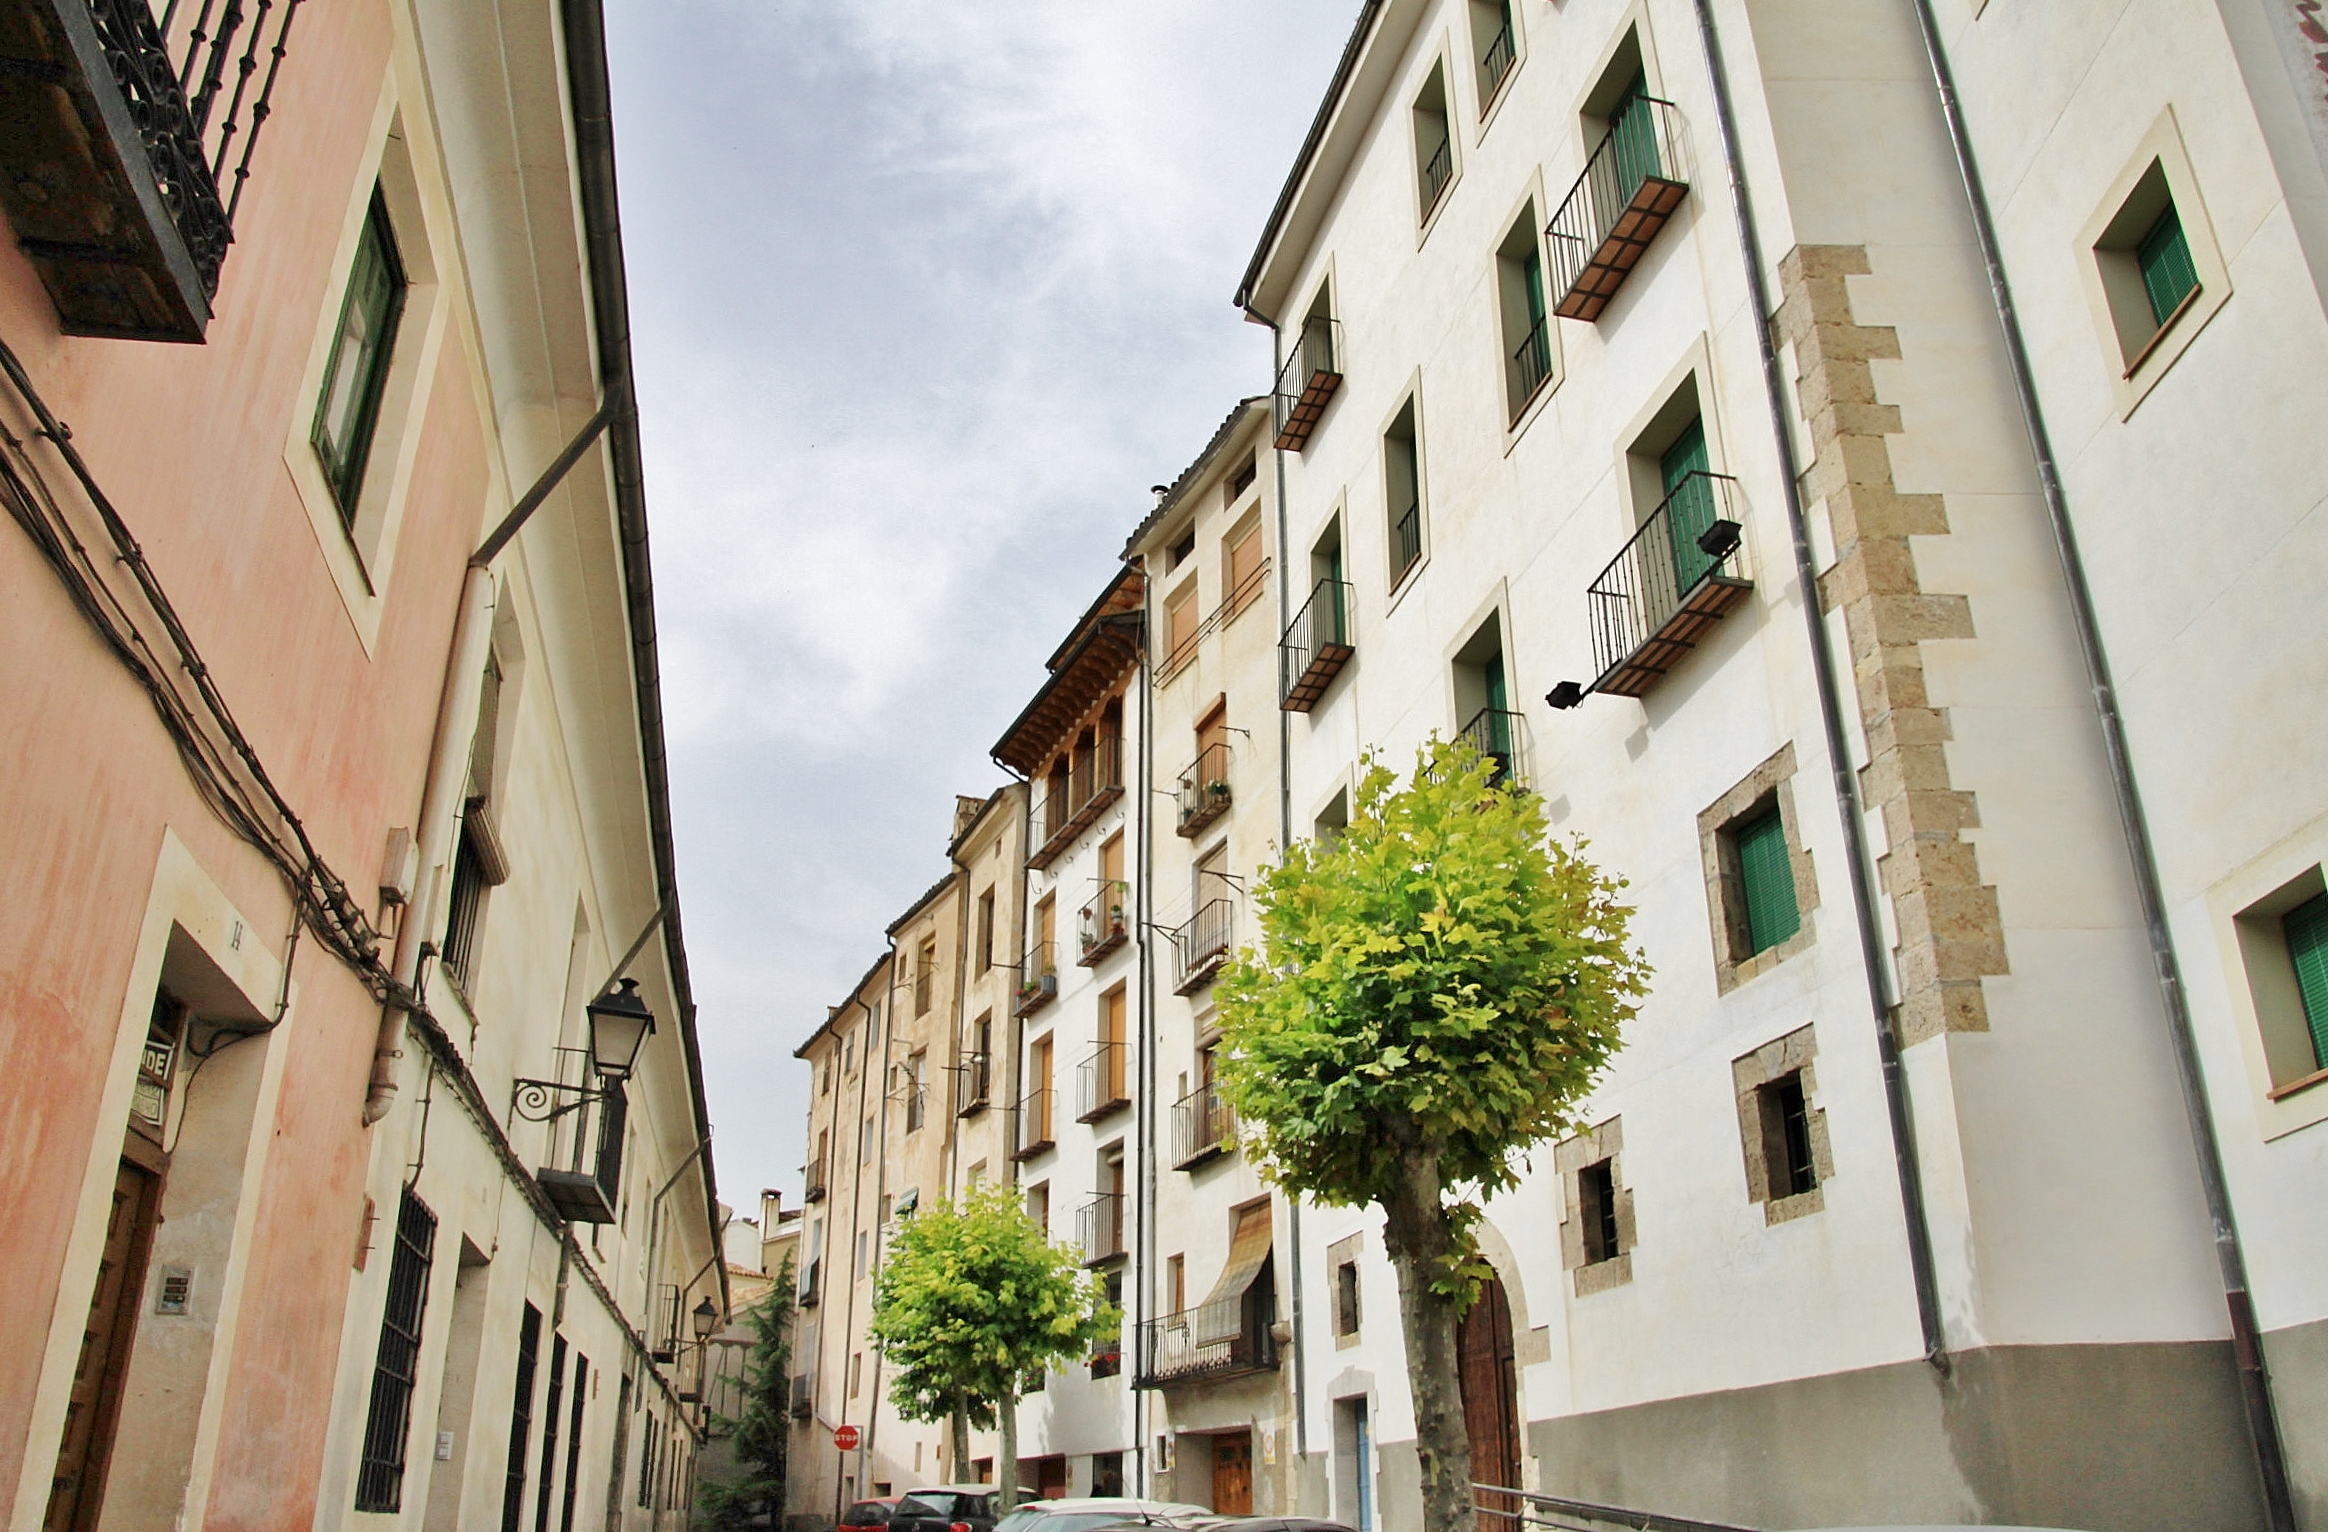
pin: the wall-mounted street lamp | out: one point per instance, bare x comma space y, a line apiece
619, 1024
706, 1320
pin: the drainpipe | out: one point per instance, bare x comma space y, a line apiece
1897, 1105
2133, 823
448, 773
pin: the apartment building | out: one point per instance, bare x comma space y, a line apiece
333, 1199
1211, 1327
1643, 356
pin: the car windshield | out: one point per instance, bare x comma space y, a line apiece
1033, 1518
926, 1505
867, 1513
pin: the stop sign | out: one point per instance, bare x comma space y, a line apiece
845, 1438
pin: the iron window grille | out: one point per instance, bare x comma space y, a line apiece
529, 1346
388, 1423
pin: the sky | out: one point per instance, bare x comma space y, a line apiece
925, 294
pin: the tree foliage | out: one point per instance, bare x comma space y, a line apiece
1436, 990
762, 1433
971, 1298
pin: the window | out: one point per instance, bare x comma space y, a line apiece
1242, 479
856, 1372
647, 1445
357, 369
1434, 145
2305, 930
2164, 259
1107, 1471
1402, 484
916, 1090
925, 976
1346, 1298
2154, 275
1180, 626
1781, 1128
864, 1261
388, 1423
865, 1142
2283, 944
1039, 1205
1175, 1284
1242, 576
529, 1344
986, 931
1527, 333
1483, 700
1183, 549
1766, 880
1596, 1186
1495, 46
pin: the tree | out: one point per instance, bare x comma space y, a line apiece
971, 1298
1436, 990
762, 1433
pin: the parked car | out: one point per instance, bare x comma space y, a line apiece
1092, 1514
943, 1507
1263, 1524
870, 1513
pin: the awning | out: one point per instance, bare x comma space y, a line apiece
1222, 1315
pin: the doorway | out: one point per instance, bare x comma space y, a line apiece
95, 1402
1491, 1405
1232, 1470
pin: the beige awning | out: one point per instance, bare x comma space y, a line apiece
1248, 1253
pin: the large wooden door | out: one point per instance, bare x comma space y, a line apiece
1233, 1474
95, 1402
1491, 1404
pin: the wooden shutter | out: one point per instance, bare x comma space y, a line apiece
2165, 258
1245, 566
1767, 879
1180, 619
2306, 929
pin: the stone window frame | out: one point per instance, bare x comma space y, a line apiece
2138, 352
1793, 1053
1341, 1253
1767, 784
1604, 1141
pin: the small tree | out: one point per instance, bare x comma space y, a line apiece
971, 1298
762, 1434
1436, 990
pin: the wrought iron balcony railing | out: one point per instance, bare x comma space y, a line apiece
1307, 381
814, 1178
1036, 1123
1682, 573
1100, 1228
1204, 788
1201, 945
1107, 1355
1531, 364
1496, 62
1094, 780
1495, 734
1104, 1088
1316, 645
1438, 170
1104, 924
1213, 1340
1038, 978
977, 1080
128, 144
1406, 541
1630, 187
1203, 1125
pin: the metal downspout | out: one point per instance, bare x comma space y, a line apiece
1895, 1091
1144, 1132
2246, 1342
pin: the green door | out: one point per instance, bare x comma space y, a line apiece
1689, 504
1498, 740
1635, 133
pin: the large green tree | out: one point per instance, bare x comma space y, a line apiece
762, 1433
972, 1297
1435, 991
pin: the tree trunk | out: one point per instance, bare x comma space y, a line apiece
1418, 1239
961, 1435
1006, 1484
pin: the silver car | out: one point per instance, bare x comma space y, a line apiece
1092, 1513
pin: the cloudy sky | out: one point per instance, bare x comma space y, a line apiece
926, 293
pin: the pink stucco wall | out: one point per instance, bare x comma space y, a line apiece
188, 441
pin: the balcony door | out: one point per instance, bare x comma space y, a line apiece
1491, 1405
1689, 504
1636, 138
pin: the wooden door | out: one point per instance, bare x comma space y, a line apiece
1233, 1474
1491, 1405
95, 1401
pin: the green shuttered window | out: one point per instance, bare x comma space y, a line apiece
2306, 929
2165, 258
1768, 880
357, 370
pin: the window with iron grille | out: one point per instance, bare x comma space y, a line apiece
550, 1434
574, 1443
356, 371
467, 904
613, 1124
647, 1461
380, 1471
529, 1346
1346, 1298
1596, 1187
1786, 1137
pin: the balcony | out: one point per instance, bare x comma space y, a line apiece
128, 141
1102, 926
1438, 170
1102, 1078
1496, 62
977, 1080
1628, 191
1683, 572
917, 1108
1092, 782
803, 1396
810, 1277
1492, 733
581, 1173
1307, 382
1315, 647
1203, 1126
1216, 1340
1204, 789
1202, 945
813, 1178
1036, 1124
1038, 979
1107, 1356
1100, 1227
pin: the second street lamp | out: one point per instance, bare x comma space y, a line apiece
619, 1024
